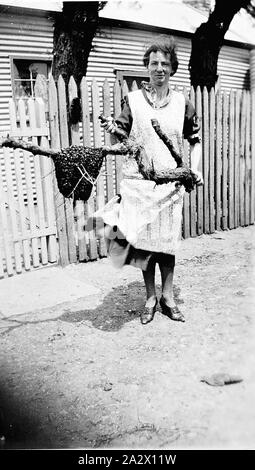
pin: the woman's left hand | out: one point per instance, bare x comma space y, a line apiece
199, 176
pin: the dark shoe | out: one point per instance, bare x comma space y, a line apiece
148, 313
171, 312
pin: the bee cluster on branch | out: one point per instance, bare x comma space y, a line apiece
77, 167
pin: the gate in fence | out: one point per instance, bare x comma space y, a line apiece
27, 214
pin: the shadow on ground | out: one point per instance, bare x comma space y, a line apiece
20, 424
120, 306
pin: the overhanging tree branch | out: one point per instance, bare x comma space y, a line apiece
208, 40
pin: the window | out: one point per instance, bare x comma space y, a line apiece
24, 75
129, 76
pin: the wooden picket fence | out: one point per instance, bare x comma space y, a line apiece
34, 216
27, 214
225, 201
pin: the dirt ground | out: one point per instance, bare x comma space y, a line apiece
86, 374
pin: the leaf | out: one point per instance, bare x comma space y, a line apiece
220, 379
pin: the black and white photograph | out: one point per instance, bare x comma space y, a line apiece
127, 236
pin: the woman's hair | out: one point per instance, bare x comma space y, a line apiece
165, 45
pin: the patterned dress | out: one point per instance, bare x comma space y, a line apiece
147, 218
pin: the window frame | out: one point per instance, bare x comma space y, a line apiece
121, 73
45, 59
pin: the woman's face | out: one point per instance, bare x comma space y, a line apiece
159, 68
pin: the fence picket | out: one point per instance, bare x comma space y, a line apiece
186, 199
117, 109
206, 158
186, 93
193, 194
100, 198
22, 211
73, 93
134, 86
38, 180
79, 216
59, 199
242, 161
218, 163
12, 212
211, 159
29, 185
247, 154
62, 113
89, 206
85, 112
69, 214
236, 156
200, 192
252, 220
92, 239
47, 171
5, 230
109, 163
64, 142
225, 112
13, 118
231, 167
186, 203
125, 89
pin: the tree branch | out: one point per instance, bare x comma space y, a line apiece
208, 40
34, 149
167, 142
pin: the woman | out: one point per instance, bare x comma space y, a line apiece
148, 216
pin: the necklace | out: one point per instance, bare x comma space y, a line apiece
152, 96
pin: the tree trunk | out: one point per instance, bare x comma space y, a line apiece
208, 40
74, 30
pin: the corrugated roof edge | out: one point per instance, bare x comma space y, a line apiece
174, 32
186, 18
44, 5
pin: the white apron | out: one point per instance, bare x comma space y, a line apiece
149, 216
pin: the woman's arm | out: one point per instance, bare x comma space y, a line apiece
191, 130
195, 158
123, 121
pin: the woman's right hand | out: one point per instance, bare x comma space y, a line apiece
109, 125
